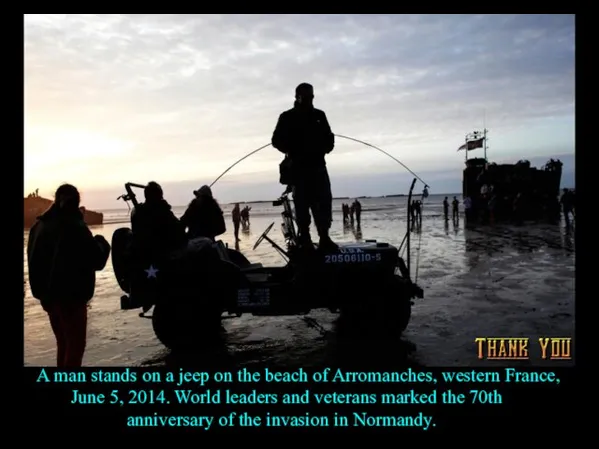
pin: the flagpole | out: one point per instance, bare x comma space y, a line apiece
485, 142
485, 133
466, 140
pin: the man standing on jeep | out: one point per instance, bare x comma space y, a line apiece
303, 134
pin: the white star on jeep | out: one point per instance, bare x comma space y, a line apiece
151, 272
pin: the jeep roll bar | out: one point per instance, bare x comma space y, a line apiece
130, 195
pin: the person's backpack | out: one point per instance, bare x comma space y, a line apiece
104, 252
286, 171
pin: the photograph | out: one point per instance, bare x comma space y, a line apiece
378, 193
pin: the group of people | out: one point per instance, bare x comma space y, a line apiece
416, 212
518, 206
303, 134
349, 211
488, 203
455, 208
156, 229
63, 255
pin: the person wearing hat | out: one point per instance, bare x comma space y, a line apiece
204, 216
303, 134
155, 227
203, 191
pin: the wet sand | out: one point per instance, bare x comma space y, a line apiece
486, 281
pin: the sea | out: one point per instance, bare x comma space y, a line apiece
265, 209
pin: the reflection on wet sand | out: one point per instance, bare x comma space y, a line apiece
336, 347
491, 290
351, 229
524, 240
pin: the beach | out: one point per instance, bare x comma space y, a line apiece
484, 281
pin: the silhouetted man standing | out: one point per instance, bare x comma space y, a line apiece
358, 211
455, 209
446, 208
304, 135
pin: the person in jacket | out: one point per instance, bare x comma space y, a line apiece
345, 211
455, 209
567, 203
63, 256
358, 211
204, 216
245, 217
304, 135
236, 216
156, 229
446, 208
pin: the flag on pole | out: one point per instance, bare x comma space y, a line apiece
472, 144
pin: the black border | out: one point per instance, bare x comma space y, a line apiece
531, 410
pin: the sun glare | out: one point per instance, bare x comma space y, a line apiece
71, 144
52, 155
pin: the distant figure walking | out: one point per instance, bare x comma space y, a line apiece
358, 211
352, 211
63, 257
418, 212
245, 216
446, 208
236, 215
345, 211
455, 209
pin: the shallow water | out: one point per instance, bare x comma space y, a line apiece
486, 281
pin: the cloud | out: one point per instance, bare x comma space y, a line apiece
187, 95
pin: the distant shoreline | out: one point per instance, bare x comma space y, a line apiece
397, 195
340, 198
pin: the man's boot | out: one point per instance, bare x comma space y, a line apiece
326, 244
305, 241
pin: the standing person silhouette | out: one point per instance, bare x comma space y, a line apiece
358, 211
236, 215
446, 208
304, 135
63, 257
455, 204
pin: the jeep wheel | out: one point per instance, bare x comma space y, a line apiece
179, 328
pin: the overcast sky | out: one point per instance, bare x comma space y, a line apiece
178, 98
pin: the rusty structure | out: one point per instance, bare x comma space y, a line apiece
34, 206
508, 192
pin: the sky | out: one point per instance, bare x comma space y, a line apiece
179, 98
